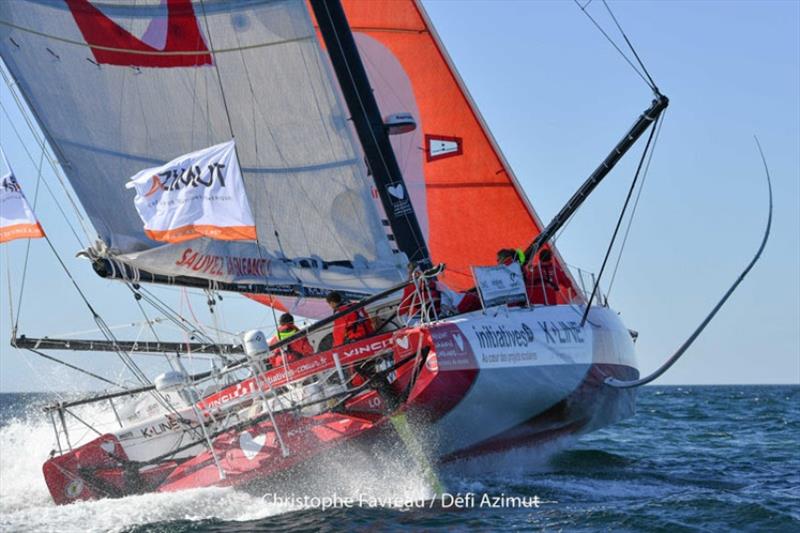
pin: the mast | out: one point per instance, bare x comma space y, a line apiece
370, 129
639, 127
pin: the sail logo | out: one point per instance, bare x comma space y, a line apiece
200, 194
176, 178
170, 41
442, 146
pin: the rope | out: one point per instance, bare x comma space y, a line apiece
624, 36
49, 190
633, 210
27, 248
173, 316
107, 333
43, 146
619, 223
73, 367
618, 49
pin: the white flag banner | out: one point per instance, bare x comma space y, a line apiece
501, 284
200, 194
17, 220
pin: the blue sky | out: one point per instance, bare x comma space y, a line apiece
557, 97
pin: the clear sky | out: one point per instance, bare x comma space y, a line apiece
557, 97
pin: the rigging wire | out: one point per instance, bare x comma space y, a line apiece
645, 78
27, 248
46, 185
116, 326
619, 220
73, 367
613, 382
635, 205
43, 146
107, 333
633, 50
171, 315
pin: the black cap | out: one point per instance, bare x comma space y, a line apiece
286, 318
335, 298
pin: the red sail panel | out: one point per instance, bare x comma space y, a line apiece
472, 204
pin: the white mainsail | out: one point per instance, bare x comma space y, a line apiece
119, 87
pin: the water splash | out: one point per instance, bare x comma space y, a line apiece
367, 473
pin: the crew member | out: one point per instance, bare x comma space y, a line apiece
351, 326
545, 280
294, 350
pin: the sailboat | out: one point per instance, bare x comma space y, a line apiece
359, 152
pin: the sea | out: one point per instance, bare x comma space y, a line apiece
694, 458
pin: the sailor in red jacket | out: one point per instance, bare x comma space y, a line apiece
294, 350
351, 326
545, 280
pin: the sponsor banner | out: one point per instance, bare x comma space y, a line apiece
501, 284
17, 220
305, 367
228, 262
519, 338
452, 349
200, 194
247, 263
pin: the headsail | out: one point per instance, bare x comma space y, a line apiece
118, 88
466, 196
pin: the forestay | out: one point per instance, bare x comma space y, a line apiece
118, 88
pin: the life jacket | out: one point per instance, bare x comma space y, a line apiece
352, 326
544, 280
294, 350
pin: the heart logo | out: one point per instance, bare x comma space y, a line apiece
251, 446
402, 342
397, 191
459, 341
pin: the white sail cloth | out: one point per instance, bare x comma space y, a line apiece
118, 87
